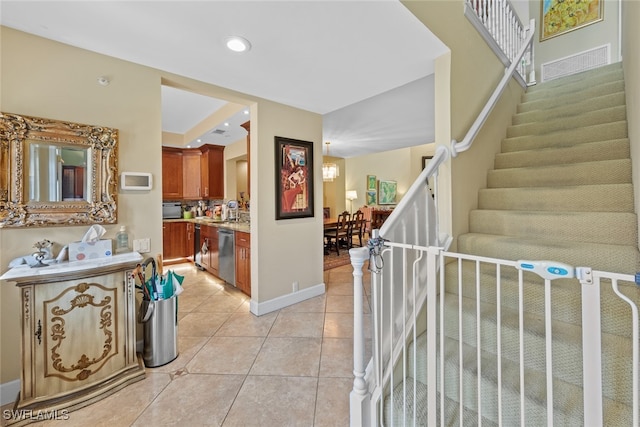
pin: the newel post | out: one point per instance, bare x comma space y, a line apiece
359, 397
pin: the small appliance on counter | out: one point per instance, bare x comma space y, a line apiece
232, 210
171, 210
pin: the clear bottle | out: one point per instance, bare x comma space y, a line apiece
122, 240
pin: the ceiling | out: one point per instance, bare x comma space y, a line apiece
363, 65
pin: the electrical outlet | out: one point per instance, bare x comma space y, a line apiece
142, 245
295, 286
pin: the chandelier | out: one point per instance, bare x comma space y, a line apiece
329, 170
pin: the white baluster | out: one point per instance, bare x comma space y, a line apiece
359, 397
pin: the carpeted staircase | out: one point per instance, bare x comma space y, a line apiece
561, 190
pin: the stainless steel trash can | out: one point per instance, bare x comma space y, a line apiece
160, 320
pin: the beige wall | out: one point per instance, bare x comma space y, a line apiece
334, 191
630, 37
585, 38
235, 165
48, 79
402, 165
475, 72
287, 250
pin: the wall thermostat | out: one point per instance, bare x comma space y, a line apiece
136, 181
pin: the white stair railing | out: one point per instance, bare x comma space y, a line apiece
501, 28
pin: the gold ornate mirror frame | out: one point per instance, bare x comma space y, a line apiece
98, 206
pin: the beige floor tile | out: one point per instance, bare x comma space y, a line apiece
339, 303
298, 325
247, 325
340, 289
274, 402
312, 305
332, 403
119, 409
338, 325
288, 356
220, 303
193, 399
188, 301
226, 355
187, 348
201, 324
337, 358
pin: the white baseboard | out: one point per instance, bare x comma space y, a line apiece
9, 392
286, 300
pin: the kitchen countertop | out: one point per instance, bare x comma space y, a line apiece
230, 225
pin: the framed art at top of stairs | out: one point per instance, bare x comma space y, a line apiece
562, 16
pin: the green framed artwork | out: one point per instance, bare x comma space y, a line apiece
371, 182
562, 16
387, 191
372, 197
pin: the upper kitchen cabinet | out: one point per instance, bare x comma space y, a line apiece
191, 174
212, 171
171, 173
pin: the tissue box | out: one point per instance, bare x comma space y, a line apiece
79, 251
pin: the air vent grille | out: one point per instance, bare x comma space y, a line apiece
582, 61
218, 131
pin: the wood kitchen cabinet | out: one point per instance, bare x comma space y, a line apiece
177, 239
243, 262
212, 171
78, 333
209, 245
191, 180
171, 173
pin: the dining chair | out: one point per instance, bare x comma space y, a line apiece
342, 232
357, 228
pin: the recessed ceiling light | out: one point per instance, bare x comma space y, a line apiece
226, 123
199, 140
246, 111
238, 44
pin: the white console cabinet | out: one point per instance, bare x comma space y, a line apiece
78, 332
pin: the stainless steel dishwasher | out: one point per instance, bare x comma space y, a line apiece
227, 255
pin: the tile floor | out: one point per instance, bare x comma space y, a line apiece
292, 367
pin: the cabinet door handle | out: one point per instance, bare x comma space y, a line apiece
38, 332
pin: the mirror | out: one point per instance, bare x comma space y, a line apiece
56, 173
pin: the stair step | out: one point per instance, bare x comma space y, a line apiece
567, 138
590, 151
574, 82
566, 291
563, 123
586, 198
617, 258
616, 171
568, 403
594, 227
451, 410
590, 104
566, 343
554, 98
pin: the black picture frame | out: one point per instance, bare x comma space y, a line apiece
425, 159
294, 178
